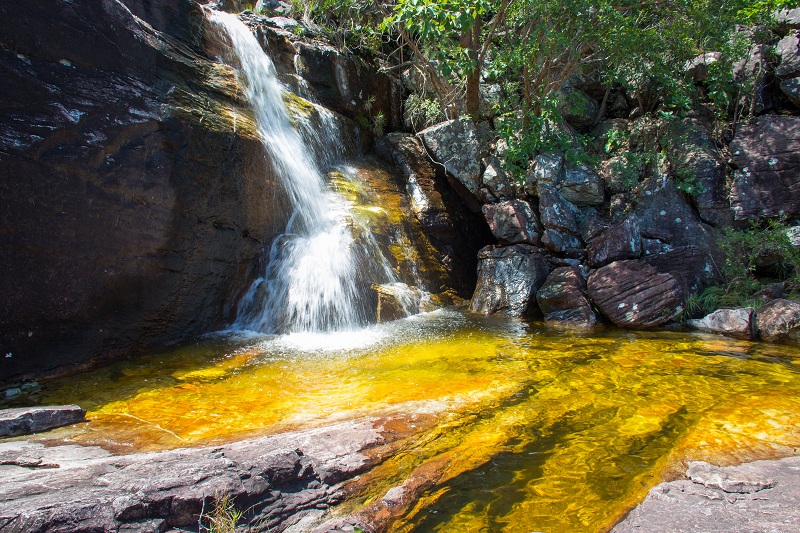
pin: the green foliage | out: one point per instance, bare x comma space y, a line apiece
421, 112
224, 516
744, 250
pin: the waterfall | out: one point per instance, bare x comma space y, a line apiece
317, 276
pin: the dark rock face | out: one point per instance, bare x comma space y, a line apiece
633, 294
134, 208
512, 222
779, 321
453, 230
691, 265
29, 420
788, 49
508, 278
619, 241
278, 479
758, 496
767, 153
457, 146
556, 212
791, 88
739, 323
562, 299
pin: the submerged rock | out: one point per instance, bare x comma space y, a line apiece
633, 294
779, 320
738, 323
29, 420
508, 278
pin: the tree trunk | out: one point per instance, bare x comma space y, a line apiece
471, 40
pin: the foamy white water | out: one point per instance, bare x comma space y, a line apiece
317, 276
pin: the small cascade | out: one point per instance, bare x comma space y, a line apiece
318, 275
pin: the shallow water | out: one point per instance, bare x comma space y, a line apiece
537, 429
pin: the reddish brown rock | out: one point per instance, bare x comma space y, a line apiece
512, 222
562, 299
633, 294
619, 241
779, 321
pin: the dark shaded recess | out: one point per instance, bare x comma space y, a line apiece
126, 224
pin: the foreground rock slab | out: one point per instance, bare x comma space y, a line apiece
28, 420
279, 479
762, 496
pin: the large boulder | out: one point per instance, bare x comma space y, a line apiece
767, 154
508, 278
496, 182
136, 195
739, 323
562, 243
791, 88
788, 50
457, 146
557, 213
779, 321
619, 241
633, 294
562, 299
693, 266
513, 222
582, 185
787, 19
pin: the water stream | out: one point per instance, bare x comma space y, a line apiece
317, 274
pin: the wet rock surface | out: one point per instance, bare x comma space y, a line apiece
759, 496
508, 278
562, 299
29, 420
739, 323
136, 195
278, 479
633, 294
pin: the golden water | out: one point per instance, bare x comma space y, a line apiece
538, 429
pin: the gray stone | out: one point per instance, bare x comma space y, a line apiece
767, 154
738, 323
512, 222
619, 241
278, 478
562, 243
592, 225
582, 186
562, 299
29, 420
555, 212
508, 278
697, 68
791, 88
547, 168
779, 321
788, 49
633, 294
455, 144
787, 19
495, 179
763, 496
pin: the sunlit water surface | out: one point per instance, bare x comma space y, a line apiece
538, 429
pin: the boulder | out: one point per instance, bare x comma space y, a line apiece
508, 278
767, 154
788, 49
752, 71
633, 294
592, 225
562, 299
582, 186
562, 243
136, 195
791, 88
779, 321
697, 68
555, 212
396, 301
512, 222
29, 420
495, 180
548, 169
619, 241
787, 19
693, 266
456, 145
739, 323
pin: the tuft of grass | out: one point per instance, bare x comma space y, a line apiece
224, 516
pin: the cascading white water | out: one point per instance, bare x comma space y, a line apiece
316, 274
